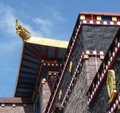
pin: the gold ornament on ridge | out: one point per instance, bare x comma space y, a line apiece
21, 31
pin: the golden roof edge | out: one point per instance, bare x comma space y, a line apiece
47, 42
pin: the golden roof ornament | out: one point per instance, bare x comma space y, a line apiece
111, 85
28, 38
22, 31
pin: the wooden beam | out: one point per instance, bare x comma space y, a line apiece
40, 53
23, 66
32, 51
27, 72
15, 100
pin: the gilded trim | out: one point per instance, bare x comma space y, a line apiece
48, 42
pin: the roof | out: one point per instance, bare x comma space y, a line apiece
34, 52
37, 53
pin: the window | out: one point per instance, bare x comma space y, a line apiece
107, 18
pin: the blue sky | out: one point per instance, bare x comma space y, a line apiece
47, 18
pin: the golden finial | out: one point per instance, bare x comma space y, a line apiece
21, 31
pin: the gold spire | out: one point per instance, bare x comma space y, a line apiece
21, 31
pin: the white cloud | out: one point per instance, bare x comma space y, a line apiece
45, 26
7, 27
7, 20
43, 22
48, 25
9, 41
9, 46
56, 14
